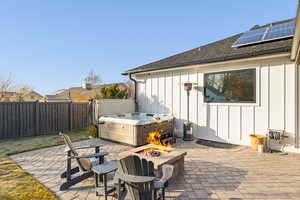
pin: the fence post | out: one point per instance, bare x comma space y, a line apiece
70, 117
96, 108
37, 118
91, 113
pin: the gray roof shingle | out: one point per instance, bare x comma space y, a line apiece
218, 51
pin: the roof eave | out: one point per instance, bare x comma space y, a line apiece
216, 60
125, 73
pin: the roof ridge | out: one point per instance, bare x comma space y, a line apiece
272, 23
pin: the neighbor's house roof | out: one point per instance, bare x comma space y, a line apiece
50, 96
80, 94
32, 92
30, 95
218, 51
8, 96
55, 98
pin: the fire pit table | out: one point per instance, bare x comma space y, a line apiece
160, 155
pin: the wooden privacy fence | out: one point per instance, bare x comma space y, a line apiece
18, 119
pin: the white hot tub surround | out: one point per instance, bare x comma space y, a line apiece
133, 128
136, 118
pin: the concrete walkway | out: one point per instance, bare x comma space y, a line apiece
210, 173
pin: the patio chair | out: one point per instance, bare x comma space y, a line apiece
83, 161
138, 176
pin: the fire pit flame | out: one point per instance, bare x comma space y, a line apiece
159, 149
155, 138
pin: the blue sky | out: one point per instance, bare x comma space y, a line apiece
53, 44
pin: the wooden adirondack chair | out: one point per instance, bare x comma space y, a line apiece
138, 176
83, 161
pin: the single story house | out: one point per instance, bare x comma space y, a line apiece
81, 94
244, 84
26, 96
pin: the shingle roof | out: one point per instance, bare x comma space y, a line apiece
80, 92
218, 51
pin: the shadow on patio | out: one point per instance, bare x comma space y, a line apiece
201, 178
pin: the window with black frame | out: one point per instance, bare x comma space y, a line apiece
237, 86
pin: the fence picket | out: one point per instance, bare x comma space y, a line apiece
18, 119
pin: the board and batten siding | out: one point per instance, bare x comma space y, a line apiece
163, 92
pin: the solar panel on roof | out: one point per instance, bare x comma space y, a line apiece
265, 34
250, 37
280, 31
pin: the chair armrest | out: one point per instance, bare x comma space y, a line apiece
167, 171
134, 179
82, 147
95, 155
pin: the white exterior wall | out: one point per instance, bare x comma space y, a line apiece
225, 122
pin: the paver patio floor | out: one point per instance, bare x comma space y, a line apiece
210, 173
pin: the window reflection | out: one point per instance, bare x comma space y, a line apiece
230, 86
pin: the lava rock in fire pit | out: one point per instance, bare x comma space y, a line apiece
154, 153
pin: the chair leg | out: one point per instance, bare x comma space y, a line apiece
75, 180
96, 184
105, 186
72, 171
68, 174
118, 189
154, 194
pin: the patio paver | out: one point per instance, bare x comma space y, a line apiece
210, 173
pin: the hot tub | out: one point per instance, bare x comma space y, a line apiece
133, 128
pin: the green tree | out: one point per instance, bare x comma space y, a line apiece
113, 92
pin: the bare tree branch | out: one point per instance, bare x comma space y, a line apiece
7, 83
93, 78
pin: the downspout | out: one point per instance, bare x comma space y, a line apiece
135, 92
